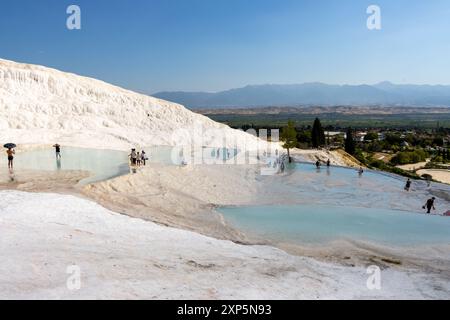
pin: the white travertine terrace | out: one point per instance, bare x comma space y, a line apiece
39, 105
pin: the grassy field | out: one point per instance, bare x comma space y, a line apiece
401, 121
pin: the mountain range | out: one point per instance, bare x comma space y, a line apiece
307, 94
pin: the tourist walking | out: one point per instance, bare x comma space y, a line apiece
430, 205
408, 185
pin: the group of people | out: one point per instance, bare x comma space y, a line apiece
278, 163
137, 158
10, 152
328, 163
319, 164
429, 205
226, 153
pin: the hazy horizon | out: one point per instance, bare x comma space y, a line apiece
310, 82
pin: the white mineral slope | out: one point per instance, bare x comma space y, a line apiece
124, 258
39, 105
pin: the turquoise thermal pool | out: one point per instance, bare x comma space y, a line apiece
108, 164
102, 164
318, 206
311, 224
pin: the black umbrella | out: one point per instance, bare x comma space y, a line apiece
10, 146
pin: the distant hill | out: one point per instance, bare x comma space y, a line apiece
384, 93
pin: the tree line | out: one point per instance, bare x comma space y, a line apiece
316, 137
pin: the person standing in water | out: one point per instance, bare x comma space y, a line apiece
328, 163
58, 151
133, 157
429, 205
360, 171
138, 159
408, 185
10, 152
318, 164
143, 157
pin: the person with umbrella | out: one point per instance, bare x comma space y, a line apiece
10, 152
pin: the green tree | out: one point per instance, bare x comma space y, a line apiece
350, 146
393, 139
438, 141
371, 136
317, 134
409, 157
289, 137
304, 137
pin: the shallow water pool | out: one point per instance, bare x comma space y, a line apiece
102, 164
337, 186
317, 206
199, 155
108, 164
312, 224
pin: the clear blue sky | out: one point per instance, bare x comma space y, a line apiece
153, 45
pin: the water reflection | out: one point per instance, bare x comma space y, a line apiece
11, 175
